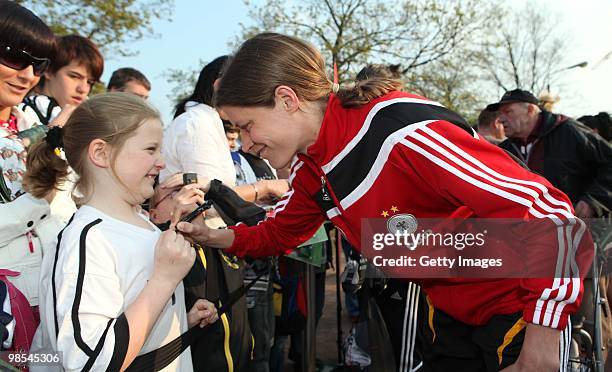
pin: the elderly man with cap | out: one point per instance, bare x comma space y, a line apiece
565, 152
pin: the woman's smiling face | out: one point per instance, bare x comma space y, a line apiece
15, 84
268, 132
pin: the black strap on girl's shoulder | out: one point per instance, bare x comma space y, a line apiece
52, 104
44, 118
160, 358
5, 194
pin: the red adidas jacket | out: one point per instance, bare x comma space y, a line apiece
406, 151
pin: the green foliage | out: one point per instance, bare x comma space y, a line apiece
97, 88
183, 81
110, 24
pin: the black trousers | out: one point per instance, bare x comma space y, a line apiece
400, 307
451, 345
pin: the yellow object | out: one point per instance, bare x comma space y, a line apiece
277, 300
224, 321
509, 336
202, 256
226, 341
431, 315
252, 346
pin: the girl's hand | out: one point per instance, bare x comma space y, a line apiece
174, 257
203, 312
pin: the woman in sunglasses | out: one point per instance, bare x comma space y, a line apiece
26, 47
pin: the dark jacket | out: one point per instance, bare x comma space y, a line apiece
228, 346
572, 158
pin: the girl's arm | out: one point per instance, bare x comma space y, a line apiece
94, 332
173, 259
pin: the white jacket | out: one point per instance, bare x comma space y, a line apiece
195, 142
41, 103
26, 224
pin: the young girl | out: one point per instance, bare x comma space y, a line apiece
371, 150
112, 288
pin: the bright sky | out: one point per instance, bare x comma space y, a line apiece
200, 30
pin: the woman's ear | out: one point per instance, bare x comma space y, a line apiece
99, 153
287, 98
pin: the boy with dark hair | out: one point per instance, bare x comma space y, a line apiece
77, 66
129, 80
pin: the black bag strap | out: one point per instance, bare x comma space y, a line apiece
160, 358
5, 194
44, 119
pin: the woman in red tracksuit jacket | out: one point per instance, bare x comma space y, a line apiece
358, 151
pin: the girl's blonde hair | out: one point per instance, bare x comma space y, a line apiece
269, 60
112, 117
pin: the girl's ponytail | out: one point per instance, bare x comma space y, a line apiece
362, 92
46, 170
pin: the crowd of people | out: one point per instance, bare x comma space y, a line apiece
101, 261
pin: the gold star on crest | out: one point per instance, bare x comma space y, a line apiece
385, 214
394, 209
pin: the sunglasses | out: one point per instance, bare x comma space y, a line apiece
20, 59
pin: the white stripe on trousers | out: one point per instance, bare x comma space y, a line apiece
409, 329
565, 342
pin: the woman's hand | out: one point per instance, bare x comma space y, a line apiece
271, 190
174, 257
199, 232
177, 180
195, 230
203, 312
540, 351
583, 210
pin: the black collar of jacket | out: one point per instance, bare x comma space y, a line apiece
550, 122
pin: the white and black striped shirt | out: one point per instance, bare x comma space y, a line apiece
99, 268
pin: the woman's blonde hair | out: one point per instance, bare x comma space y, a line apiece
269, 60
111, 117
